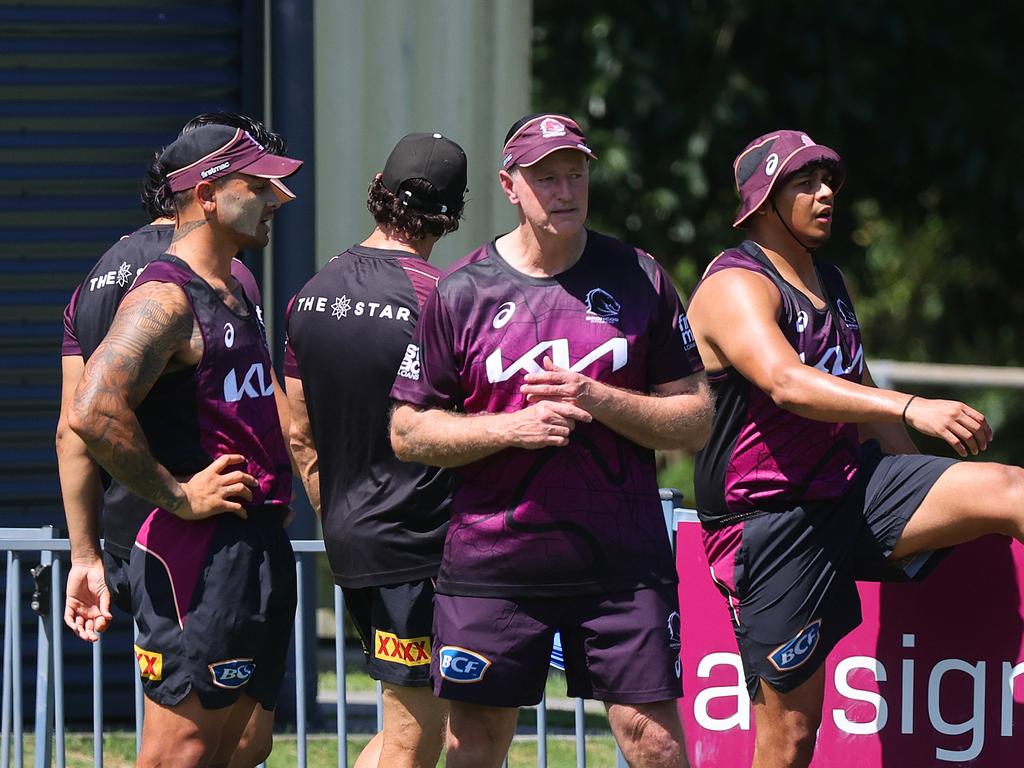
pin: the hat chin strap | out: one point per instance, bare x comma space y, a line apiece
800, 242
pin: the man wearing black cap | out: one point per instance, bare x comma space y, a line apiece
177, 405
810, 479
547, 367
384, 521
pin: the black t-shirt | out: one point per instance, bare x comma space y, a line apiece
88, 317
384, 520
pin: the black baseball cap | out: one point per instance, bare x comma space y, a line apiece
432, 158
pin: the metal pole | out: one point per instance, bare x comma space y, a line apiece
542, 732
300, 668
97, 703
139, 709
8, 692
56, 606
14, 577
44, 665
581, 735
339, 671
380, 707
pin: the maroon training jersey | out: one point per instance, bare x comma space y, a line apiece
225, 404
760, 456
88, 317
585, 518
384, 520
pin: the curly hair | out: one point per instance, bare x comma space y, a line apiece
388, 211
157, 200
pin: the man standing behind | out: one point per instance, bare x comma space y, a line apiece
384, 521
176, 395
547, 367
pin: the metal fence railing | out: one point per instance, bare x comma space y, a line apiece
42, 547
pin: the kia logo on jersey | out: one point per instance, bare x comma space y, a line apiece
255, 383
558, 350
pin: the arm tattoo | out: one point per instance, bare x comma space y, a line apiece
152, 325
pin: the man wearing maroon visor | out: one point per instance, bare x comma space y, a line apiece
546, 369
177, 405
810, 479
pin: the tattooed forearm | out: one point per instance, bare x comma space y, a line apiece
152, 326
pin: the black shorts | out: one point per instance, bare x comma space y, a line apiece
115, 573
790, 576
394, 622
215, 603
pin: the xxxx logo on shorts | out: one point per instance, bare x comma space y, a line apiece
151, 665
412, 652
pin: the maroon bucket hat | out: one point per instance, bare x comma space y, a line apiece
539, 137
213, 151
775, 156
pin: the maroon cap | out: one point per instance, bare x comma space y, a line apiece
775, 156
539, 137
212, 151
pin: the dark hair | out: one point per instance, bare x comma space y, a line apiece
388, 211
827, 163
158, 201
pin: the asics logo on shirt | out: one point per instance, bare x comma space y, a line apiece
558, 351
255, 383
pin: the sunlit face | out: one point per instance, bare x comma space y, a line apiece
805, 203
245, 205
552, 193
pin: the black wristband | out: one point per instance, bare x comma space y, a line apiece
912, 399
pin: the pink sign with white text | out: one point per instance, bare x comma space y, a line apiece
934, 676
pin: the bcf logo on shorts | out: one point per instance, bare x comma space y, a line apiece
233, 673
798, 650
412, 652
462, 666
151, 664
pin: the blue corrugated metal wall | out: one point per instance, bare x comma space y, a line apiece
87, 92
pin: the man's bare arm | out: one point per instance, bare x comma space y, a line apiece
675, 415
152, 327
892, 436
87, 607
734, 317
300, 440
448, 439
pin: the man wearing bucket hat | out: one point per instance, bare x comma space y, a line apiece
810, 479
384, 520
177, 404
546, 368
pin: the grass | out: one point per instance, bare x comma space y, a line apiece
321, 751
357, 680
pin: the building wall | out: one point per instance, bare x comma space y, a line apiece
385, 68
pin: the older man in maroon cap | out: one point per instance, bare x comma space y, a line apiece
810, 479
547, 367
177, 405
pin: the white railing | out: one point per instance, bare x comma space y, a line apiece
49, 704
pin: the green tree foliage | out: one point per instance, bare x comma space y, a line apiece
923, 100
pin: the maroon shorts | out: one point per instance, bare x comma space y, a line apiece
621, 647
